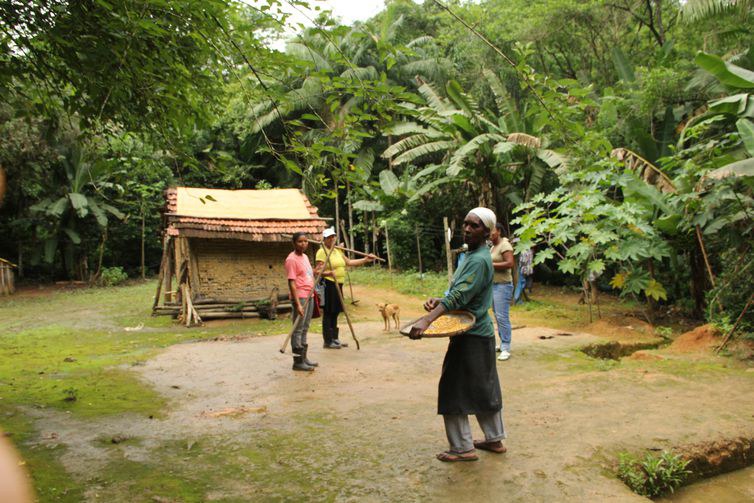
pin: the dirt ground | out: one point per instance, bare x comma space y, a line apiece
363, 426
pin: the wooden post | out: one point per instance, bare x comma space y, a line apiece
346, 238
446, 233
366, 231
387, 244
375, 229
419, 251
143, 232
161, 274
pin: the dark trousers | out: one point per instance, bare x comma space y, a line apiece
329, 327
330, 311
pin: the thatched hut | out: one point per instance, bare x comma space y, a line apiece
7, 277
225, 250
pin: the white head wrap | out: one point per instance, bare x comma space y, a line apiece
486, 215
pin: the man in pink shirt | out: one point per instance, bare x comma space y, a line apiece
300, 284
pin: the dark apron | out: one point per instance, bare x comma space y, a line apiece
469, 383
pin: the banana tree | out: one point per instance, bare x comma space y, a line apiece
470, 143
77, 200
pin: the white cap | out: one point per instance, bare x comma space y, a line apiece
330, 231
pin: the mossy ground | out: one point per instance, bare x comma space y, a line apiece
73, 344
70, 351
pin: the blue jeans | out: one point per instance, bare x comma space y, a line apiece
501, 304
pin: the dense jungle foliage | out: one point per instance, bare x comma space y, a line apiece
614, 137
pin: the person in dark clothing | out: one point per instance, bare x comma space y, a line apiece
469, 383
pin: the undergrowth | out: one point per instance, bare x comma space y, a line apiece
653, 475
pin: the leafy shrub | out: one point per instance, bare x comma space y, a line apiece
664, 332
654, 475
112, 276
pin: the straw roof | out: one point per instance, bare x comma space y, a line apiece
252, 215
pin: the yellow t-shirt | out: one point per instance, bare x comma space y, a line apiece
337, 263
501, 275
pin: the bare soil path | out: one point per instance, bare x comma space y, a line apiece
363, 427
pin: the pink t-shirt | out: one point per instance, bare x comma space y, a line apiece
299, 269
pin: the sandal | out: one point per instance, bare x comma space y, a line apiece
497, 447
456, 456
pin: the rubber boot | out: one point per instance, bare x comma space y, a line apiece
336, 340
299, 364
307, 360
327, 334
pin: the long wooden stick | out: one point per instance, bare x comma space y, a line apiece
704, 254
348, 318
328, 251
342, 248
735, 326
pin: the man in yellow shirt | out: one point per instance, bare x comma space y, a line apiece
334, 275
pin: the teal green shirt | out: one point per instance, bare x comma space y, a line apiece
471, 290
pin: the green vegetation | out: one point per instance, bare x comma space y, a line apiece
428, 284
654, 475
113, 276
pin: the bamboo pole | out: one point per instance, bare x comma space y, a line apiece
448, 256
342, 248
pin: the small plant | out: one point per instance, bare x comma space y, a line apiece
112, 276
664, 332
654, 475
71, 395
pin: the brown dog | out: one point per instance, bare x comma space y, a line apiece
390, 311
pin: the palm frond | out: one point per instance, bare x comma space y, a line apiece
431, 68
422, 150
462, 154
404, 128
403, 145
694, 10
551, 158
524, 139
305, 52
418, 41
361, 73
462, 99
645, 169
502, 99
537, 176
433, 97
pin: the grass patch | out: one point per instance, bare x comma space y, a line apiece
654, 475
68, 350
429, 284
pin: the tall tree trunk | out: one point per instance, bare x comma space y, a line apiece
350, 213
143, 274
698, 279
3, 185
